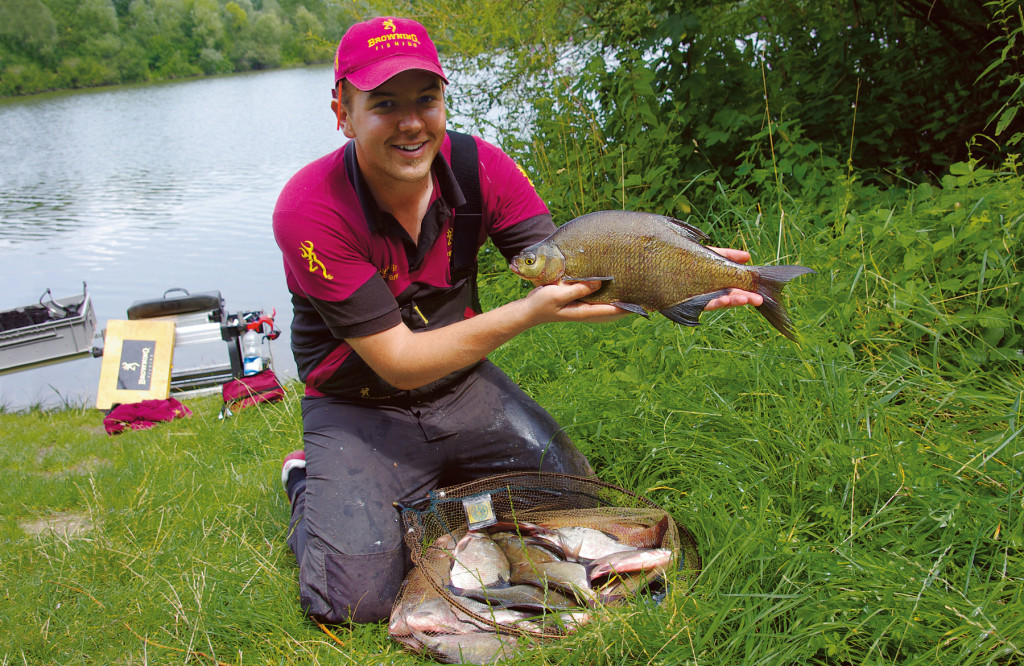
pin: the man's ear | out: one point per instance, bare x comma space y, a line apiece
341, 113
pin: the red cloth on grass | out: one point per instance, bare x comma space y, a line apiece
142, 415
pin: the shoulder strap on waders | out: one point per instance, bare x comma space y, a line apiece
468, 217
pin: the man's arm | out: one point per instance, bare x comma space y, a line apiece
409, 360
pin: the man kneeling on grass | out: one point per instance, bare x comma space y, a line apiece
380, 239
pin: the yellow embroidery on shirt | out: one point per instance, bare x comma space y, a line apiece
314, 263
389, 272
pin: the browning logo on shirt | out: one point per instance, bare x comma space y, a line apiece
389, 272
314, 263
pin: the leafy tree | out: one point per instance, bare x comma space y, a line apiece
96, 18
207, 24
658, 103
268, 33
27, 26
70, 43
306, 45
891, 85
1008, 69
238, 18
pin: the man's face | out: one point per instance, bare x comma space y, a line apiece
398, 127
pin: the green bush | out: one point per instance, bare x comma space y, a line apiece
176, 67
84, 72
21, 79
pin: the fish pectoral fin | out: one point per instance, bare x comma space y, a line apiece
571, 551
688, 312
569, 278
631, 307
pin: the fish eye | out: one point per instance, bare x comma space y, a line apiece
530, 261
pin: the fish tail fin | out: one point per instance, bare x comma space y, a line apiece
771, 280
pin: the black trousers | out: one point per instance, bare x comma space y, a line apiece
361, 456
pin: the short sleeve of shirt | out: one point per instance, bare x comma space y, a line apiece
323, 265
326, 255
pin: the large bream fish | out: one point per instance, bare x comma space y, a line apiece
651, 263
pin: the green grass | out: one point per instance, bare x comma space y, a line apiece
858, 498
843, 520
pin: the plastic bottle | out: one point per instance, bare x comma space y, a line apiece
252, 353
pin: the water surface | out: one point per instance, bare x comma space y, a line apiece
136, 190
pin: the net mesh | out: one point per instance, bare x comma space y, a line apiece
434, 525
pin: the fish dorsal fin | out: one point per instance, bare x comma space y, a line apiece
688, 230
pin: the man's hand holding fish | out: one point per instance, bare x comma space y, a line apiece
561, 302
735, 297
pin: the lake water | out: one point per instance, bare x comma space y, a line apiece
137, 190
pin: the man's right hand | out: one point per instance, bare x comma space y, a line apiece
560, 302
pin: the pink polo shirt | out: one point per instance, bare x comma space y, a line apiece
352, 270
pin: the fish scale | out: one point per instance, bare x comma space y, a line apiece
651, 263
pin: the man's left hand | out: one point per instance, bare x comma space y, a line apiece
735, 297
